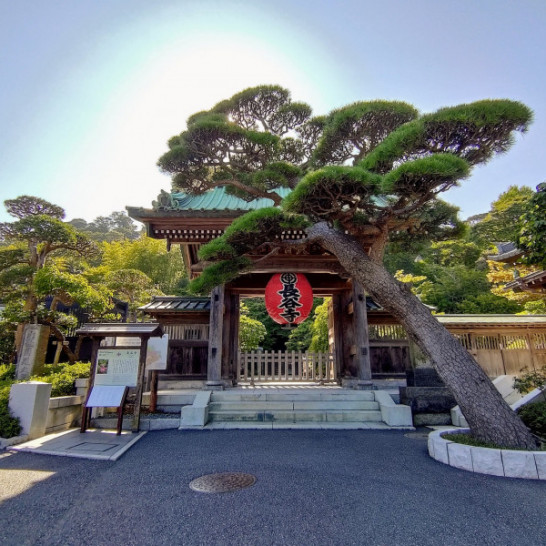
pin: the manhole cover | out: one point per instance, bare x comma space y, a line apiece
417, 435
223, 482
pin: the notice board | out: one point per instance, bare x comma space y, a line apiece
117, 367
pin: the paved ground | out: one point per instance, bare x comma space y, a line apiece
103, 445
313, 487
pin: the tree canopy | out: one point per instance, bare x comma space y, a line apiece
359, 175
115, 227
532, 236
36, 262
503, 222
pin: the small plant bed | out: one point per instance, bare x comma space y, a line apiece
457, 448
469, 440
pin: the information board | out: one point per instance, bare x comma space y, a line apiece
117, 367
156, 355
106, 396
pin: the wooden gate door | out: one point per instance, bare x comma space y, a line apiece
188, 358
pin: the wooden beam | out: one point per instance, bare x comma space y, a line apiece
253, 284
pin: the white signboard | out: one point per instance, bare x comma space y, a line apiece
156, 355
117, 367
123, 341
106, 396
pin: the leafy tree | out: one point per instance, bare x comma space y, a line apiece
532, 236
33, 259
115, 227
132, 286
251, 331
319, 329
502, 223
458, 289
500, 274
300, 337
151, 257
452, 253
369, 169
276, 336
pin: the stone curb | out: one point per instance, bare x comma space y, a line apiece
145, 424
7, 442
530, 465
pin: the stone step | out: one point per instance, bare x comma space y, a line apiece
167, 398
320, 405
218, 396
173, 385
333, 416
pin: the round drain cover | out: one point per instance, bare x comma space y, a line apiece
417, 435
223, 482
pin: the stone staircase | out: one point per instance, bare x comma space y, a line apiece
276, 408
294, 407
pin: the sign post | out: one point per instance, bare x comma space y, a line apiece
121, 366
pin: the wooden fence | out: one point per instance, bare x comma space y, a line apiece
288, 366
506, 353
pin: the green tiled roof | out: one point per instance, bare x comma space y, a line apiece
218, 199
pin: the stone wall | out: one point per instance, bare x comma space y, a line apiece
64, 412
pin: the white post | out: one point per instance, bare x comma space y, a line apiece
29, 402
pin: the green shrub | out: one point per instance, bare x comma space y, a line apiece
530, 380
534, 416
9, 426
7, 372
62, 377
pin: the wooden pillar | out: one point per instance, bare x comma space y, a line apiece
153, 390
531, 344
234, 335
361, 337
94, 355
140, 382
214, 367
337, 316
226, 333
346, 322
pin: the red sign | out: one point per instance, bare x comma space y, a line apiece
288, 298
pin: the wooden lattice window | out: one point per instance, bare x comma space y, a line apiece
539, 341
380, 332
486, 343
512, 343
465, 340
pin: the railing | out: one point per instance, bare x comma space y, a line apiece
279, 366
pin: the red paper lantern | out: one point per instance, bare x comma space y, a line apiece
288, 298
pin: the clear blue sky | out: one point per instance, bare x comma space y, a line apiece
91, 90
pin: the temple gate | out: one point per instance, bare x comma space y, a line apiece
190, 221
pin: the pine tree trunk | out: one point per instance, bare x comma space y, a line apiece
488, 415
